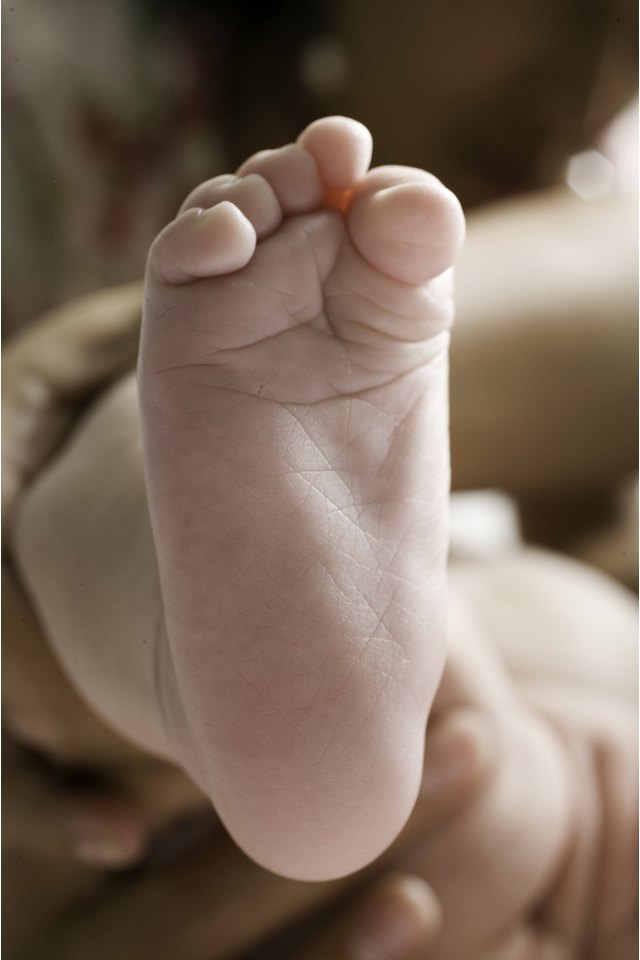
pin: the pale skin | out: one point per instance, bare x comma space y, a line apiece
339, 390
596, 722
123, 408
555, 448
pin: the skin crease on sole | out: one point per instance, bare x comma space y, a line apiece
293, 393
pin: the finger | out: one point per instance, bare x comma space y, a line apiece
515, 944
510, 840
597, 889
398, 918
210, 905
461, 756
96, 822
42, 815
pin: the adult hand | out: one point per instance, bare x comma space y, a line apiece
588, 904
49, 373
488, 833
207, 901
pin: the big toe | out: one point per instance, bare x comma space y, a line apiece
405, 223
341, 148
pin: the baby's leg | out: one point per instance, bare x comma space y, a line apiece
293, 384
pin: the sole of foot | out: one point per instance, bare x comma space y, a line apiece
293, 385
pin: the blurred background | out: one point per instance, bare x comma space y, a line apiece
114, 109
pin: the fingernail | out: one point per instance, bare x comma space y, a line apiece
93, 843
390, 928
456, 754
101, 852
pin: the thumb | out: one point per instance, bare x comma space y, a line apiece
397, 918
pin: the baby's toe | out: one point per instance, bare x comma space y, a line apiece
252, 195
405, 223
202, 243
293, 175
342, 150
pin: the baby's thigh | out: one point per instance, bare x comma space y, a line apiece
552, 617
82, 536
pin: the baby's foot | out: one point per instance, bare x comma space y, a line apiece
293, 382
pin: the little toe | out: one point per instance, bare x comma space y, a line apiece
252, 195
207, 194
202, 243
405, 223
292, 173
342, 150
